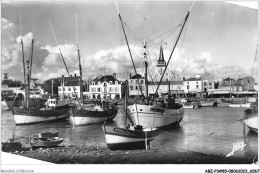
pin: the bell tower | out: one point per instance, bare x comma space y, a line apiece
161, 64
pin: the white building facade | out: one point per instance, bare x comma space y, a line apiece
105, 87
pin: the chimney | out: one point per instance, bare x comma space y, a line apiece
114, 75
62, 80
130, 75
5, 76
183, 78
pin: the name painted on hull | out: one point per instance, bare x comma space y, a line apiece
123, 131
157, 110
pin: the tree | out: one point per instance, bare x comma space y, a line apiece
47, 85
11, 83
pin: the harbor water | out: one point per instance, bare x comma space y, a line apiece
208, 130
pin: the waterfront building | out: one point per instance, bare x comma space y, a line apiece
134, 87
176, 88
107, 86
192, 85
247, 83
70, 87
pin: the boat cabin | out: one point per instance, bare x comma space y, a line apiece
54, 103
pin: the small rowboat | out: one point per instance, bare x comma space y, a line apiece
45, 142
45, 139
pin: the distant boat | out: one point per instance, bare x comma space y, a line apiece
190, 106
251, 119
240, 105
208, 103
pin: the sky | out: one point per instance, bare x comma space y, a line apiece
219, 37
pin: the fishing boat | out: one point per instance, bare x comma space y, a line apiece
80, 115
158, 115
251, 119
129, 138
83, 115
27, 114
17, 102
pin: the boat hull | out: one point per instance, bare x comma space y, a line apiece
251, 120
45, 142
86, 117
246, 105
125, 139
150, 116
35, 115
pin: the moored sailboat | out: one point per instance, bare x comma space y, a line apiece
26, 114
82, 115
149, 115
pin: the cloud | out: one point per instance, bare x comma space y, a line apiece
9, 51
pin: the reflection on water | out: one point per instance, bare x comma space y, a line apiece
210, 130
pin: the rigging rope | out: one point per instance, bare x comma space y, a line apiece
174, 29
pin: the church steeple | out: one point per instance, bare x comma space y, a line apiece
161, 62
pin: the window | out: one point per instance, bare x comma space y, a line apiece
116, 89
197, 86
141, 81
110, 83
187, 82
59, 89
131, 88
116, 82
131, 82
205, 83
93, 83
188, 86
210, 83
141, 87
197, 82
69, 89
98, 90
136, 81
99, 83
136, 88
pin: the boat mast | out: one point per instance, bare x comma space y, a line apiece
146, 73
254, 61
28, 84
30, 68
80, 70
185, 20
129, 49
24, 76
